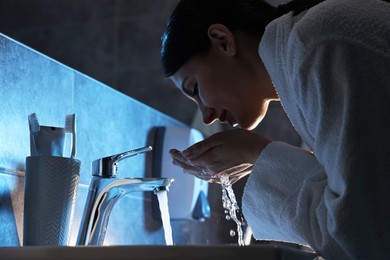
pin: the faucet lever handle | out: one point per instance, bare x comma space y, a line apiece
107, 167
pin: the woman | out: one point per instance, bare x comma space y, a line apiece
328, 62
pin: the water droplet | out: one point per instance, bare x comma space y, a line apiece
230, 205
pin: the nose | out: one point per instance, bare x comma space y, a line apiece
209, 115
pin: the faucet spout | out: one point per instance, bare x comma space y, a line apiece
105, 191
107, 167
93, 230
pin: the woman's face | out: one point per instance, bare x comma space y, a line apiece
232, 88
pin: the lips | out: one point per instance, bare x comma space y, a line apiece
224, 117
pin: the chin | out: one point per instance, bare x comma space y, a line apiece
247, 127
250, 125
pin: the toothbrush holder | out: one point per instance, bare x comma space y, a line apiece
50, 190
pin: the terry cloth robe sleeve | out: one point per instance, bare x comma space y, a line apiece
336, 199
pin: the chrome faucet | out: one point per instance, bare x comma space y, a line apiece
105, 190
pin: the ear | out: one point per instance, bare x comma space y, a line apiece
222, 39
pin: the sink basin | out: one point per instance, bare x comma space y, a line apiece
149, 252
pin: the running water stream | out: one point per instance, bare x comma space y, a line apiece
230, 204
162, 197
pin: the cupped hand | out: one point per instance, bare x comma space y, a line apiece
231, 153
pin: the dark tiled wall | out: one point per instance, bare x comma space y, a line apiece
108, 122
114, 41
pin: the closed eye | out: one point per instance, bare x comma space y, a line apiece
195, 90
191, 92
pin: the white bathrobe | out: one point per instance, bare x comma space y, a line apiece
331, 68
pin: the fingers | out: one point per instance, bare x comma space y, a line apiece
192, 169
200, 162
210, 168
234, 173
230, 153
195, 171
178, 156
200, 148
187, 165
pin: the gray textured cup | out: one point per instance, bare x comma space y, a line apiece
50, 190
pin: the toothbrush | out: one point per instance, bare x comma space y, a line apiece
34, 129
70, 127
33, 123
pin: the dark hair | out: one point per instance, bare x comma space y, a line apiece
186, 32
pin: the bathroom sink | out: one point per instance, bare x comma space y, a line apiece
149, 252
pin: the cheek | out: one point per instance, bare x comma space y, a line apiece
221, 88
219, 96
211, 92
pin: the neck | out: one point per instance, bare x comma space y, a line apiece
252, 65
